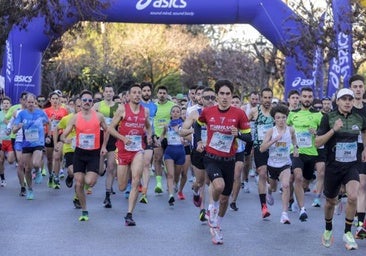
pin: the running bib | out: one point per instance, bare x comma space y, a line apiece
221, 142
31, 135
108, 120
86, 141
262, 130
241, 145
136, 143
174, 138
204, 136
304, 139
279, 153
54, 124
346, 152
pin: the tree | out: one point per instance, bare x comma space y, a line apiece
21, 12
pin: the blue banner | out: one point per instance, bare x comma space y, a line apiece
341, 66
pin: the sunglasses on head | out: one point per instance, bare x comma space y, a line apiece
208, 97
86, 100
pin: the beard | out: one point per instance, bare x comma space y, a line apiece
145, 97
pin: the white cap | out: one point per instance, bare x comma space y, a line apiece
345, 91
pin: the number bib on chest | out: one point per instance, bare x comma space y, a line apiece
262, 130
136, 143
174, 138
280, 152
221, 142
304, 139
346, 152
54, 124
31, 135
86, 141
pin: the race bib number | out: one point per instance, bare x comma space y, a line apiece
108, 120
304, 139
174, 138
31, 135
86, 141
262, 130
221, 142
280, 152
54, 124
204, 137
346, 152
136, 143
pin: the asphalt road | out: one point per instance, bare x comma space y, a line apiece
49, 225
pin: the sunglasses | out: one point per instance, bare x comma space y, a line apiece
212, 97
87, 100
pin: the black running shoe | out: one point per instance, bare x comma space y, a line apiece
129, 221
107, 203
69, 181
171, 201
23, 191
202, 215
233, 206
77, 204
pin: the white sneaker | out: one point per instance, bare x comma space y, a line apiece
284, 218
246, 187
217, 237
3, 183
252, 173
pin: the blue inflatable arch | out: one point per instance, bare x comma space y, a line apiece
272, 18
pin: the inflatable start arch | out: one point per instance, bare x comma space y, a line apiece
275, 20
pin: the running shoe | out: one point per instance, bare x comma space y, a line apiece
233, 206
252, 173
265, 212
246, 187
84, 216
30, 195
284, 218
129, 221
197, 199
171, 201
290, 202
327, 238
44, 172
69, 181
62, 174
107, 203
212, 220
140, 188
38, 179
158, 189
50, 182
303, 215
350, 242
88, 189
181, 196
128, 190
3, 183
176, 188
316, 202
23, 191
242, 185
56, 183
216, 234
143, 199
76, 203
269, 199
360, 233
202, 215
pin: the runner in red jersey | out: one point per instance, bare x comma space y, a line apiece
133, 124
224, 123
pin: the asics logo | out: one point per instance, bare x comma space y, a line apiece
143, 4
